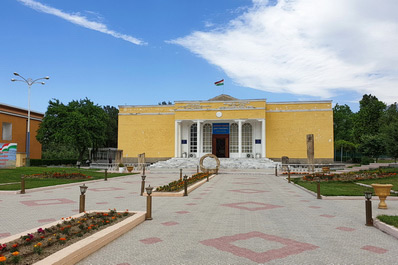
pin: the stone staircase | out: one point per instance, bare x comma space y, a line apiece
238, 163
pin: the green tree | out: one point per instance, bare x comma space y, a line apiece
368, 119
372, 145
80, 124
343, 122
389, 130
112, 125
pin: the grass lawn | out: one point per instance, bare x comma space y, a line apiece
388, 219
14, 175
337, 188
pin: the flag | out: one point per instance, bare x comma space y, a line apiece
219, 83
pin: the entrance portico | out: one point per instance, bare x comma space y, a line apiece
223, 138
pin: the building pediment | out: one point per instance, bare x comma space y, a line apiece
223, 97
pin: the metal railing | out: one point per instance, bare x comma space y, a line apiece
307, 168
115, 166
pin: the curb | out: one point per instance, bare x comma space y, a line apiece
388, 229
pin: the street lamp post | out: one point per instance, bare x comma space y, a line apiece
29, 82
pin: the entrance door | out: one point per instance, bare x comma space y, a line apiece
220, 145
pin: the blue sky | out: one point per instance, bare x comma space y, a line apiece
144, 52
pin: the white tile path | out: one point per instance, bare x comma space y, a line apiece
222, 222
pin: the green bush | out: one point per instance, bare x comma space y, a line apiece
52, 162
366, 160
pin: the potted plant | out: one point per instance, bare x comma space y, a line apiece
121, 168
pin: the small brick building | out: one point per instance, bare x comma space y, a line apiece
13, 127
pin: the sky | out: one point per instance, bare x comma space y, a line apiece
134, 52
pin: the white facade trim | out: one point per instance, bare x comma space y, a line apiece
160, 113
19, 115
253, 108
300, 110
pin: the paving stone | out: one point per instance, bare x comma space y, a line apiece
335, 233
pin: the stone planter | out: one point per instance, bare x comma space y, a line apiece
122, 169
382, 190
129, 169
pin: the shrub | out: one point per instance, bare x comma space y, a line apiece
366, 160
52, 162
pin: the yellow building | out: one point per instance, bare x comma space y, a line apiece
227, 127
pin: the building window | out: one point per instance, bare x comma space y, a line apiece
233, 138
207, 138
7, 131
193, 148
247, 138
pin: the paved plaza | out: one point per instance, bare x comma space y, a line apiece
239, 217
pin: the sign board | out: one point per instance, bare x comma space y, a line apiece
258, 141
220, 128
8, 155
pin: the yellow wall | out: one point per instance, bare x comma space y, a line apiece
149, 134
286, 130
150, 129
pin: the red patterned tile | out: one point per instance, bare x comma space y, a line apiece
291, 247
170, 223
260, 206
348, 229
151, 240
47, 202
182, 212
374, 249
120, 197
46, 220
327, 215
249, 191
304, 200
197, 198
101, 202
124, 263
314, 207
190, 203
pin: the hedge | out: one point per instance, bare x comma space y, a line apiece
52, 162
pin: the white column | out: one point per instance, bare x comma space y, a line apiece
176, 139
239, 138
199, 143
262, 138
179, 137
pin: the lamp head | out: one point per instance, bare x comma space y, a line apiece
149, 190
47, 77
368, 195
42, 83
83, 189
185, 177
143, 177
13, 79
16, 74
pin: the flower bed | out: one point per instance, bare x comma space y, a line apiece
348, 177
33, 247
58, 175
178, 185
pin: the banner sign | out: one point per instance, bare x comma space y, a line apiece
220, 128
8, 155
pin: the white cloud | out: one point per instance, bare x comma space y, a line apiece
80, 20
308, 47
